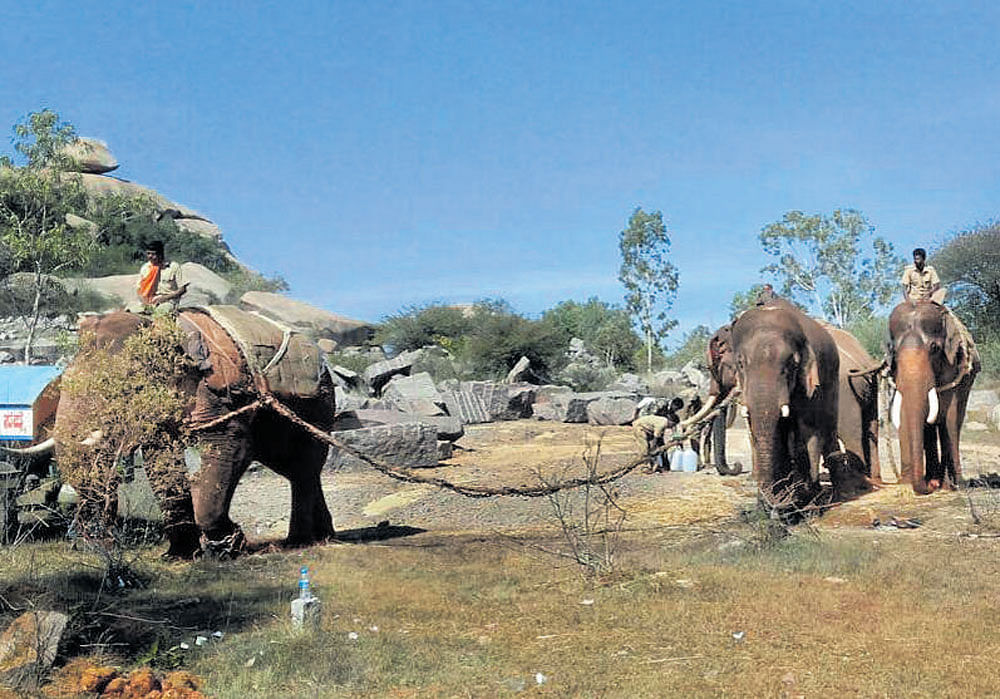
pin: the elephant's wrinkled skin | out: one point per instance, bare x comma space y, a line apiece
857, 411
222, 385
933, 364
787, 366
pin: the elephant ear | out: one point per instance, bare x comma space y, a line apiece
810, 371
954, 338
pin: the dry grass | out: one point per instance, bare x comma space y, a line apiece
854, 614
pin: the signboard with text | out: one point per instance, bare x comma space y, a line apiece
16, 422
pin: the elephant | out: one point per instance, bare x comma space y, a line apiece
722, 371
221, 383
787, 367
933, 362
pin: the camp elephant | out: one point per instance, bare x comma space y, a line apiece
235, 357
933, 361
787, 366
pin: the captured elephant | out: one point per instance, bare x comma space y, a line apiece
721, 365
933, 362
787, 366
221, 382
857, 410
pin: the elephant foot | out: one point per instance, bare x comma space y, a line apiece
226, 548
921, 487
185, 543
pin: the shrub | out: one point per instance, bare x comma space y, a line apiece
499, 338
872, 333
420, 326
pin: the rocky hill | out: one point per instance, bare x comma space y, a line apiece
94, 161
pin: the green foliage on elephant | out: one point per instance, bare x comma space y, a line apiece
606, 330
832, 264
649, 278
123, 410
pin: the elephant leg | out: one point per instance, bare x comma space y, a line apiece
292, 453
225, 455
932, 470
173, 494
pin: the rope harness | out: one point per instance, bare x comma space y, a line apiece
268, 401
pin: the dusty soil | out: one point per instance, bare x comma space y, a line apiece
514, 453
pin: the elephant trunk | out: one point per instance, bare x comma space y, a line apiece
769, 448
914, 406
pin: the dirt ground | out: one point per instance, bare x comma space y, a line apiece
513, 453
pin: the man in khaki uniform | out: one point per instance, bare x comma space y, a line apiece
920, 281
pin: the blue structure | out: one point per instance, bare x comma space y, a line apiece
21, 411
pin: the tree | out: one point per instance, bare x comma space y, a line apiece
34, 201
693, 347
820, 263
650, 279
970, 264
606, 330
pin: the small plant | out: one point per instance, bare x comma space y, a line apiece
591, 519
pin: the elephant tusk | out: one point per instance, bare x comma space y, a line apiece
843, 447
932, 401
93, 439
697, 417
41, 448
744, 411
785, 410
897, 404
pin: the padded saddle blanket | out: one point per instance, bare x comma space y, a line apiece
289, 362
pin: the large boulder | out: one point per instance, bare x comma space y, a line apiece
487, 401
28, 647
96, 185
406, 445
91, 155
551, 403
571, 407
206, 229
206, 287
377, 375
448, 428
611, 410
310, 320
414, 394
630, 383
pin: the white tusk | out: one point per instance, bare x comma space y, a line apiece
40, 448
95, 437
843, 447
784, 410
897, 404
744, 411
701, 413
932, 401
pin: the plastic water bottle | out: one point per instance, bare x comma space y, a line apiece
304, 583
689, 460
676, 463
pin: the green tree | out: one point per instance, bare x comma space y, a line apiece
34, 201
649, 278
693, 346
605, 329
742, 301
499, 337
833, 264
419, 326
969, 263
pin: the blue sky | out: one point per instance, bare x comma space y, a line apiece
381, 154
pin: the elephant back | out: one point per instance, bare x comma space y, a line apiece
289, 363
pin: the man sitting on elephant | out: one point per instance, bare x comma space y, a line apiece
920, 280
160, 284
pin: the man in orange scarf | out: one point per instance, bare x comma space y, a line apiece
160, 284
